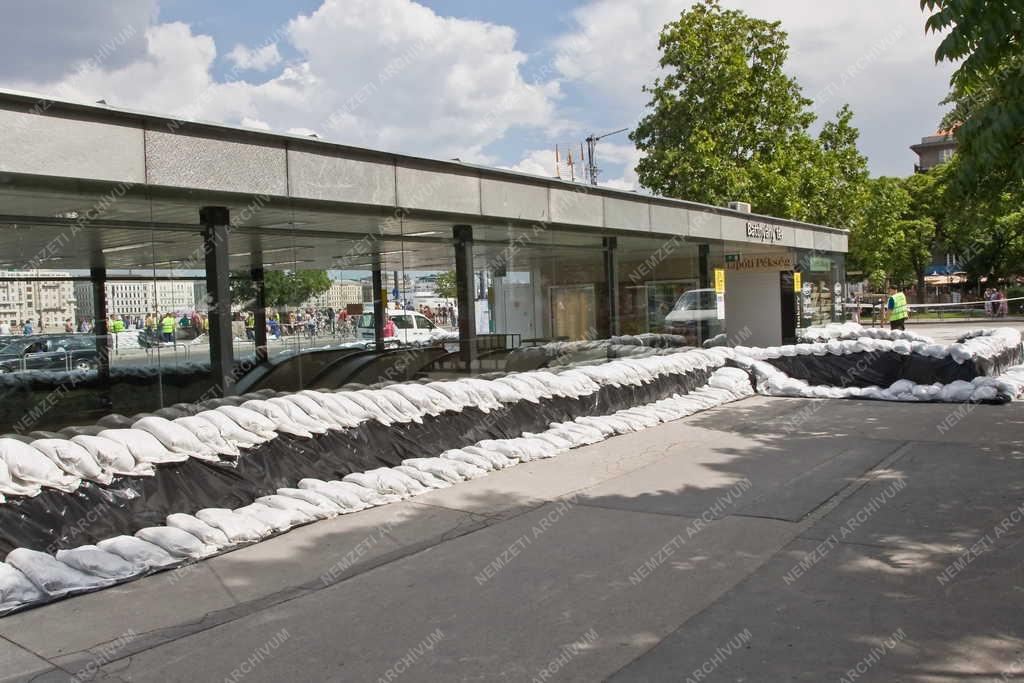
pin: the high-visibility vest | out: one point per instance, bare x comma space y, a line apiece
899, 306
167, 324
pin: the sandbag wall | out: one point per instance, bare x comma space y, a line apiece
56, 519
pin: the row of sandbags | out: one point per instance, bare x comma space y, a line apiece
137, 447
29, 577
1008, 386
989, 345
851, 330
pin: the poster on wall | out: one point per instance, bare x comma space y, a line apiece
720, 292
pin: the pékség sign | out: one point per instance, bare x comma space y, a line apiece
764, 232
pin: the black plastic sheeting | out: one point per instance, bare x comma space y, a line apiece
881, 369
54, 520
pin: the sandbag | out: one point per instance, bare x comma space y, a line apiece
53, 578
16, 590
425, 479
302, 511
142, 554
326, 506
298, 414
113, 457
90, 559
238, 528
276, 520
281, 420
29, 469
175, 438
143, 446
208, 434
73, 459
248, 420
209, 535
345, 499
177, 542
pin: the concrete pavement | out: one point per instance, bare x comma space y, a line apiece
768, 540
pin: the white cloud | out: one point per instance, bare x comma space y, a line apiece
259, 59
872, 54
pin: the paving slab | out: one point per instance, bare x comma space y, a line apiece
855, 610
937, 497
550, 584
774, 418
741, 474
18, 664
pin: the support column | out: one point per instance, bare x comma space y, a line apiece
611, 278
379, 313
99, 307
260, 314
704, 273
216, 228
464, 285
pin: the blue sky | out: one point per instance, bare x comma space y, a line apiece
488, 81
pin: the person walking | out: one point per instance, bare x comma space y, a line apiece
896, 309
26, 329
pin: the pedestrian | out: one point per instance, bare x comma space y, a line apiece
26, 328
389, 328
167, 327
1004, 308
5, 328
896, 309
69, 327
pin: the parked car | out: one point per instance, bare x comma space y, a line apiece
692, 306
411, 328
50, 352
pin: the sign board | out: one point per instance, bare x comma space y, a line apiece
820, 264
719, 280
732, 258
763, 232
760, 262
797, 281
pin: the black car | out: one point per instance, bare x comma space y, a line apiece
50, 352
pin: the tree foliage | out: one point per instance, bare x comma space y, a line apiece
445, 285
280, 287
987, 89
725, 122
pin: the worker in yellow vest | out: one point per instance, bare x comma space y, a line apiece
896, 309
167, 327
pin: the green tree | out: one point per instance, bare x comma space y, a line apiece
445, 285
725, 122
987, 89
876, 239
280, 287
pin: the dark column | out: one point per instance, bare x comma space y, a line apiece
379, 314
464, 284
704, 273
260, 314
611, 279
99, 306
216, 227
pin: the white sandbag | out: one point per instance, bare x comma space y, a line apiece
315, 410
113, 457
142, 554
326, 506
419, 396
471, 458
177, 542
903, 386
209, 535
345, 414
249, 420
238, 528
483, 390
927, 392
347, 500
957, 391
280, 419
559, 442
90, 559
439, 467
297, 414
505, 447
73, 459
426, 479
499, 461
370, 407
143, 446
403, 406
207, 434
15, 589
54, 578
532, 448
30, 469
984, 393
382, 480
232, 432
301, 511
506, 393
525, 390
608, 425
275, 519
367, 495
175, 438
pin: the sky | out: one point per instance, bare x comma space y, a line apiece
492, 82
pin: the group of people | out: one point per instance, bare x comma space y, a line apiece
996, 305
310, 322
442, 315
7, 328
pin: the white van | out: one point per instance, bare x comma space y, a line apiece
410, 327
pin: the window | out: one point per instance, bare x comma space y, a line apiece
402, 322
425, 324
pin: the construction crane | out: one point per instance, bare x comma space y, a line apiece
592, 169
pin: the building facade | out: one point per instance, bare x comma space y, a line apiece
934, 150
46, 303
